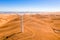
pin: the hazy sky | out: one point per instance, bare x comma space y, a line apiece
29, 5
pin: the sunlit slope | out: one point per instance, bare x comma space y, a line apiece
56, 24
40, 25
35, 27
9, 24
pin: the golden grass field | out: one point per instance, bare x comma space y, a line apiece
35, 27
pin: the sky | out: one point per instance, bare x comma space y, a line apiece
30, 5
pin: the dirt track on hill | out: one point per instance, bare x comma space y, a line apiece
36, 27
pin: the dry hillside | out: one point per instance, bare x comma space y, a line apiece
35, 27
